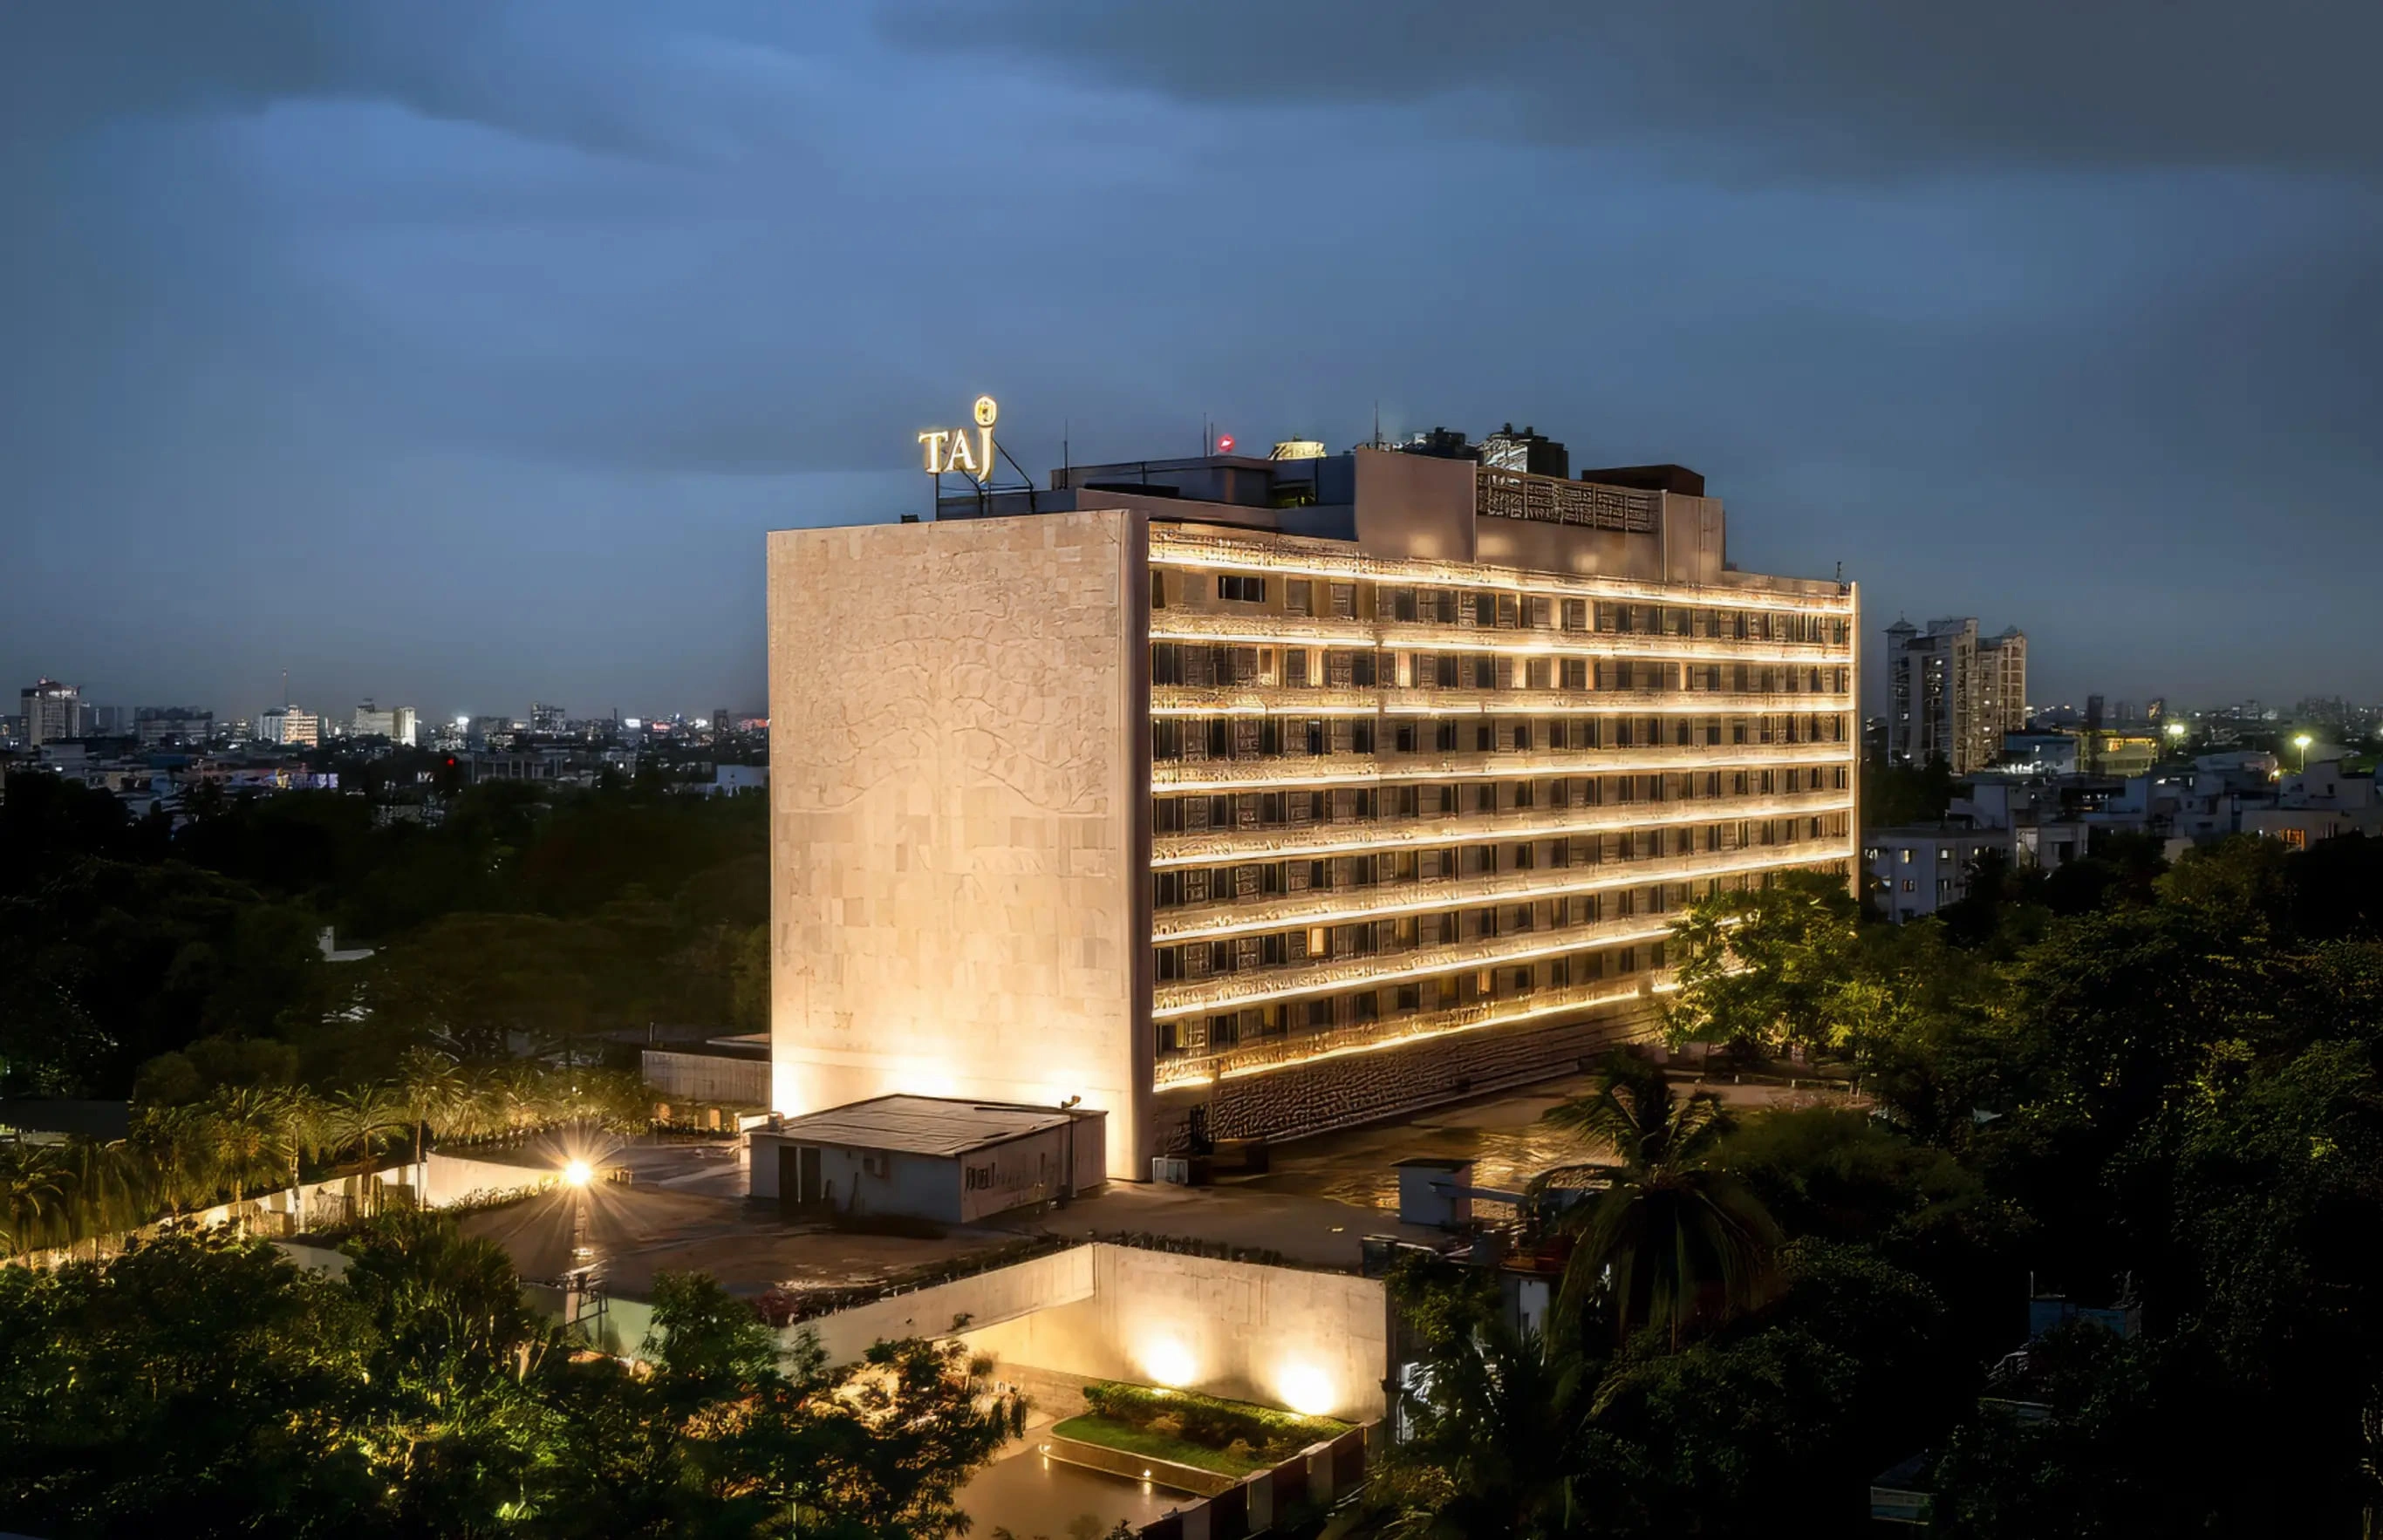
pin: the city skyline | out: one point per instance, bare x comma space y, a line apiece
465, 354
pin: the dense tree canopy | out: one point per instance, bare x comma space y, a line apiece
525, 917
2158, 1089
203, 1384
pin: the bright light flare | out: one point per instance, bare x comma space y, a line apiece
1306, 1390
578, 1173
1169, 1362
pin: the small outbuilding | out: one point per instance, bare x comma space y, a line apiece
929, 1157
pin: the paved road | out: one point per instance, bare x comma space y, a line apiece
1031, 1495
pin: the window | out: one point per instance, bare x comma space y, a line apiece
1243, 590
1299, 595
1910, 886
1907, 855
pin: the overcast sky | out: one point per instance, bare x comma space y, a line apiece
458, 354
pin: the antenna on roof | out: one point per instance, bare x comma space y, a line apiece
1377, 424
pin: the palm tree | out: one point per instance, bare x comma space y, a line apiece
1498, 1443
303, 1130
433, 1093
104, 1191
33, 1188
358, 1117
250, 1135
1673, 1238
177, 1145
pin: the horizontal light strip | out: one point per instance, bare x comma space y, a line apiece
1243, 775
1206, 1069
1414, 636
1263, 700
1215, 846
1287, 911
1233, 991
1174, 547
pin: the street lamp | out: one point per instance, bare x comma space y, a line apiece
2301, 742
578, 1173
2177, 730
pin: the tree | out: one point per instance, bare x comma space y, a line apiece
1498, 1441
361, 1116
1766, 968
1674, 1239
35, 1185
196, 1385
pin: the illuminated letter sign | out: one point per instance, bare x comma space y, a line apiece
958, 450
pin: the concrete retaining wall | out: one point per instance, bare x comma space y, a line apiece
1314, 1342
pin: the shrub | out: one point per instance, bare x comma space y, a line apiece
1208, 1422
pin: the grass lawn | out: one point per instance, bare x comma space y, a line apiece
1155, 1446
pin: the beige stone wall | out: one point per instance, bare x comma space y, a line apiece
958, 729
1309, 1342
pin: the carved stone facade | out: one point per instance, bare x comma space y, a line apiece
956, 807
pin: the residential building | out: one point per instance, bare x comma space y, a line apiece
52, 712
1919, 870
546, 719
1236, 796
2320, 803
300, 727
1951, 694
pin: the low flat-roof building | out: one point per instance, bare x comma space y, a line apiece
923, 1157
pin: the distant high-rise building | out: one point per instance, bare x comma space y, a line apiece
2002, 685
110, 722
158, 726
371, 722
52, 711
300, 727
1952, 694
544, 718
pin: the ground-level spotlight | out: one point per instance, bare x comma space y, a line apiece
578, 1173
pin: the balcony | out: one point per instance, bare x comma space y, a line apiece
1232, 991
1287, 1053
1261, 629
1215, 846
1227, 775
1284, 911
1297, 558
1272, 700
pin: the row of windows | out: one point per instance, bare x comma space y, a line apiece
1227, 1030
1202, 665
1498, 610
1404, 933
1190, 887
1200, 812
1271, 737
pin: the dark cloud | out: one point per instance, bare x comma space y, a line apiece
462, 350
1828, 88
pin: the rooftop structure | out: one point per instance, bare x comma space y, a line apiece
1244, 798
922, 1125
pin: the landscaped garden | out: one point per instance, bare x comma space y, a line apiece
1231, 1438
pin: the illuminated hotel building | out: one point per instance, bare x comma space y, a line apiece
1245, 796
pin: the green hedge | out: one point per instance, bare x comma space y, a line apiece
1208, 1422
